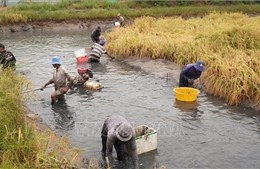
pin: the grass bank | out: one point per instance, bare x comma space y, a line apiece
105, 9
228, 43
21, 145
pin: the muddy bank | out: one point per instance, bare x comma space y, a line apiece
56, 26
170, 71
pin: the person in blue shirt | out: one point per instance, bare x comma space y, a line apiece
190, 73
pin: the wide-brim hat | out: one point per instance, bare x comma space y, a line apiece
124, 132
200, 66
55, 60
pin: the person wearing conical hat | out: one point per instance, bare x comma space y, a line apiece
190, 73
117, 132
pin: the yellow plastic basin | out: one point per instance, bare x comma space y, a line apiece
186, 94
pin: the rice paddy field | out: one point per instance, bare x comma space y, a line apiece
228, 43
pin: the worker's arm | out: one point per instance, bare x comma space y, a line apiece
109, 144
133, 151
88, 48
112, 57
46, 84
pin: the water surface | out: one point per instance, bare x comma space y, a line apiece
222, 137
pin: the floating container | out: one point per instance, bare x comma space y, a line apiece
92, 85
146, 139
186, 94
81, 55
117, 24
82, 70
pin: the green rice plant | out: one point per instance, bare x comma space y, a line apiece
33, 7
21, 146
13, 18
16, 139
54, 152
11, 97
107, 10
65, 4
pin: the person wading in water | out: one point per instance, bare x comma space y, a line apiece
60, 79
96, 34
118, 132
97, 49
7, 58
190, 73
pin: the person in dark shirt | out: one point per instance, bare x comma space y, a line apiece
7, 58
118, 132
96, 34
190, 73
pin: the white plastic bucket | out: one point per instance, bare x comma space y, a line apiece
117, 24
81, 55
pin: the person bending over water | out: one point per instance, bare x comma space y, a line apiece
117, 132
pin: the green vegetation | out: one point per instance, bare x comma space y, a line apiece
105, 9
229, 43
21, 145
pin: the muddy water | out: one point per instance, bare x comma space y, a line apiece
222, 137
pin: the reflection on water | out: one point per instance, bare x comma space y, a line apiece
63, 116
186, 106
222, 136
98, 67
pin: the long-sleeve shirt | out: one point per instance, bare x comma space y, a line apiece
189, 72
60, 78
109, 130
96, 51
